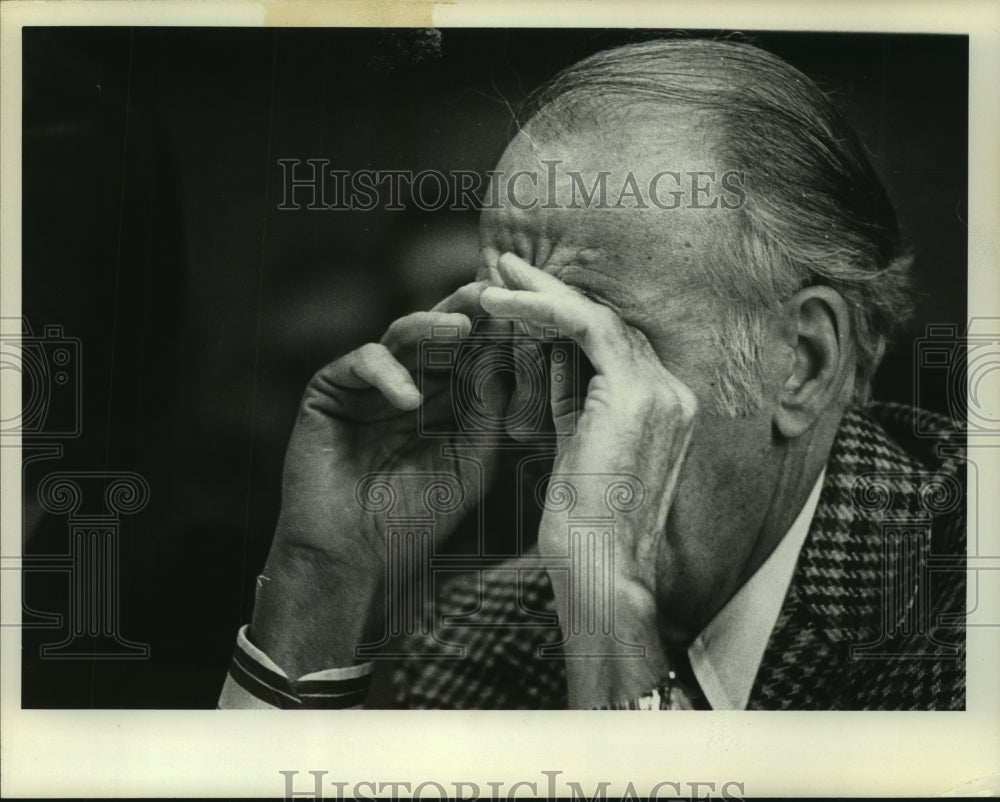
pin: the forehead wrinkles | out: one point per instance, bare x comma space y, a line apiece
600, 273
628, 259
524, 233
640, 257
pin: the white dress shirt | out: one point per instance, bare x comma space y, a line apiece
726, 655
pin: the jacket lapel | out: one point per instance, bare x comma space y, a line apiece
835, 600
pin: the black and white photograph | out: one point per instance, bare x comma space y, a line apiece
498, 368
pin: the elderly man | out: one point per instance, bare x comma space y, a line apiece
730, 301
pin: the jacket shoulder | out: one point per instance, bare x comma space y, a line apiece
932, 439
874, 618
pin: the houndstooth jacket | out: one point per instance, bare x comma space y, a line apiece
873, 618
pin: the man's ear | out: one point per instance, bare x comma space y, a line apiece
821, 372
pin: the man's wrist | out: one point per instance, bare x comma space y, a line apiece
311, 613
606, 668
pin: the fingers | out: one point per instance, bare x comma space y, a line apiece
373, 365
465, 300
411, 329
599, 332
613, 348
518, 274
543, 299
387, 366
565, 396
488, 271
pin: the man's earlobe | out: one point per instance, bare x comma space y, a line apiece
821, 374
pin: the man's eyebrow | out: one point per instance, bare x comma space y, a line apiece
580, 279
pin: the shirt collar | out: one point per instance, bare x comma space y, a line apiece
728, 652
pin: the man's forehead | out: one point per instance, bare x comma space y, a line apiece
628, 211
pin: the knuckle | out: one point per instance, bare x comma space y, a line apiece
371, 351
582, 328
420, 319
322, 379
689, 401
392, 332
677, 400
401, 323
470, 291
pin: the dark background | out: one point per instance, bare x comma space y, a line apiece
151, 233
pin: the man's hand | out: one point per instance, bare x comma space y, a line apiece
636, 420
321, 592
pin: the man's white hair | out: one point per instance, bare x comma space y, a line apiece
815, 210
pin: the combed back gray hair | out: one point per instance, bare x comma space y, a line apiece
815, 210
